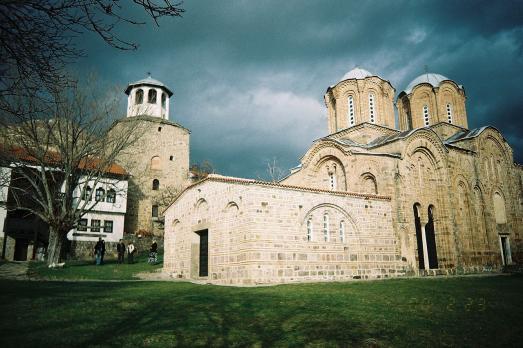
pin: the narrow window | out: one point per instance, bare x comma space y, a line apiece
351, 111
155, 211
449, 112
164, 99
152, 96
139, 96
108, 226
309, 229
99, 195
372, 108
156, 184
342, 231
95, 225
426, 115
155, 163
326, 227
171, 157
332, 181
111, 196
159, 129
87, 194
82, 225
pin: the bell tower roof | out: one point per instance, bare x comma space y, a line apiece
148, 81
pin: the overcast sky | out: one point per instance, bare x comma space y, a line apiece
249, 76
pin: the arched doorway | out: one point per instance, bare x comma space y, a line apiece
419, 236
430, 237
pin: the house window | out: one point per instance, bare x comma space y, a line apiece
326, 227
156, 184
152, 96
164, 99
82, 225
139, 96
342, 231
155, 211
95, 225
372, 108
111, 196
309, 229
99, 195
449, 112
87, 194
108, 226
426, 115
351, 111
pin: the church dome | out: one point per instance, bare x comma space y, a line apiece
148, 81
432, 79
357, 73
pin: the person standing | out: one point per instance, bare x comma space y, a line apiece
120, 248
98, 251
130, 252
102, 252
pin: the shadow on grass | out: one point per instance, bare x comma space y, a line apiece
455, 312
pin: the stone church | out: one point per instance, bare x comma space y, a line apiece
371, 199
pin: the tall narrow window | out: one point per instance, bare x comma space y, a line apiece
309, 229
342, 231
155, 211
95, 225
139, 96
152, 96
332, 181
326, 227
372, 109
426, 115
156, 184
108, 226
351, 111
164, 99
99, 195
449, 112
111, 196
82, 225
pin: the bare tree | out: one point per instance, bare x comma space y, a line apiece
37, 38
274, 171
200, 171
55, 149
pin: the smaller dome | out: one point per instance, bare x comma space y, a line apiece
357, 73
432, 79
148, 81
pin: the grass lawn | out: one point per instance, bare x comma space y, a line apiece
81, 270
460, 312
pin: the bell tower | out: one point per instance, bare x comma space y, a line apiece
148, 97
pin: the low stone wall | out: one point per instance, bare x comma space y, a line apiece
85, 250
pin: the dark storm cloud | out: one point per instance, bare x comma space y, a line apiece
249, 77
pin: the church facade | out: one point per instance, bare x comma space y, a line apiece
367, 201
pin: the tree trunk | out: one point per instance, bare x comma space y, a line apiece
55, 246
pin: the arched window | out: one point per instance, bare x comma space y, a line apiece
156, 184
342, 231
426, 115
155, 163
111, 196
164, 99
372, 108
99, 195
351, 111
499, 209
139, 96
154, 211
151, 99
449, 112
309, 229
326, 227
87, 194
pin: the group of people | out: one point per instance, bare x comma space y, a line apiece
99, 252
